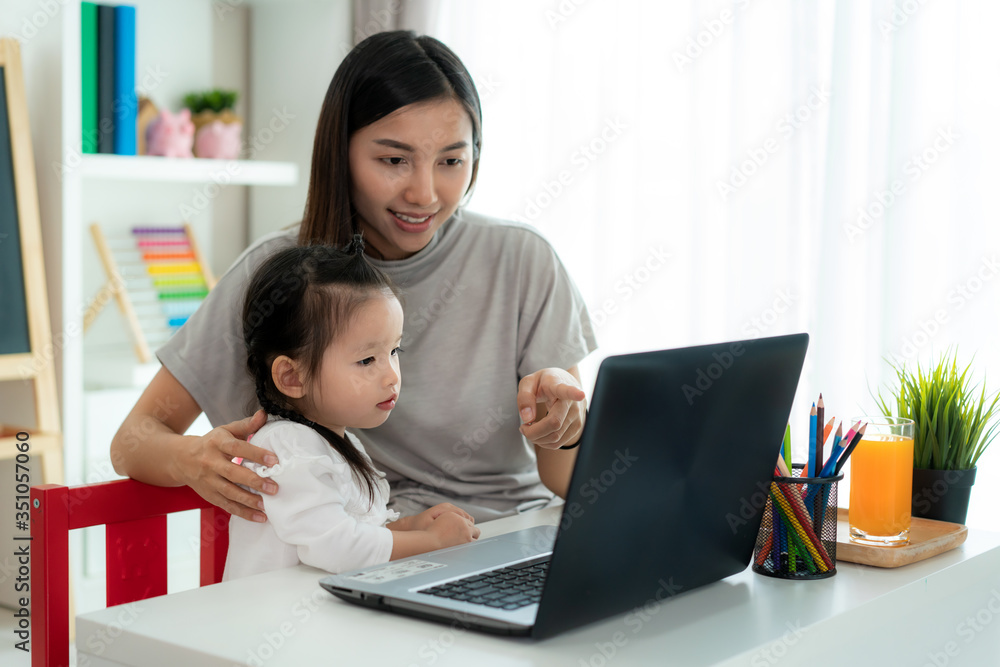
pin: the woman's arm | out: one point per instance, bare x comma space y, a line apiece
554, 409
149, 447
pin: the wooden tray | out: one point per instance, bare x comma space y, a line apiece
927, 538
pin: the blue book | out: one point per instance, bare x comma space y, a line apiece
126, 105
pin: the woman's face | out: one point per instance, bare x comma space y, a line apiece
409, 171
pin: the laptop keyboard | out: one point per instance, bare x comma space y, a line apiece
507, 588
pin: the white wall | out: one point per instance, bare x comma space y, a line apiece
292, 62
38, 28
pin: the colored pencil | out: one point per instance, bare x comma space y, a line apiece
787, 446
837, 448
849, 449
811, 466
783, 469
798, 518
775, 543
821, 436
828, 428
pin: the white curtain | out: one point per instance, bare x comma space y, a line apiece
372, 16
731, 169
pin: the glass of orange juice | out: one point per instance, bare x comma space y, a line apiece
882, 482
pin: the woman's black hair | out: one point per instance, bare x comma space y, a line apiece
383, 73
299, 300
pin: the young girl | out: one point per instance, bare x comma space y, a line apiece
495, 325
322, 329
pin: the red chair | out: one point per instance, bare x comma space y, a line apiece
135, 516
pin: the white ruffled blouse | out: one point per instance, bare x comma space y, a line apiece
321, 515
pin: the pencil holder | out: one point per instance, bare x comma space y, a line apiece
798, 532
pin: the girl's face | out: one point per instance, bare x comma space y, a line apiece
358, 381
409, 171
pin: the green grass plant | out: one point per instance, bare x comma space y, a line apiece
952, 417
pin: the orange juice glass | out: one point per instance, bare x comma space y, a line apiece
882, 482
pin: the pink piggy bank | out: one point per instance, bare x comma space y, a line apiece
218, 140
170, 135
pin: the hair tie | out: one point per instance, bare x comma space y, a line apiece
357, 245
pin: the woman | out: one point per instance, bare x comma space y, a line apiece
494, 323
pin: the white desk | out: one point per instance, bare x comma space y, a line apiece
943, 611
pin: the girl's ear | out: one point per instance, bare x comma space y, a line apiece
287, 377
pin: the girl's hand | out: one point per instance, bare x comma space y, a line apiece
424, 520
451, 529
565, 411
208, 468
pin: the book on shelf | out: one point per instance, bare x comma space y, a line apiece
105, 78
125, 107
110, 107
88, 75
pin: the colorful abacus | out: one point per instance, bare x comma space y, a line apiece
158, 277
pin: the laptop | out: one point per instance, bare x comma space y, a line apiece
677, 447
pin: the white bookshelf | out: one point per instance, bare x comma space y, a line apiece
279, 56
157, 169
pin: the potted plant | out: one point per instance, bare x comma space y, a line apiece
952, 418
217, 127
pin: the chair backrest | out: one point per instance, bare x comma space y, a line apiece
136, 523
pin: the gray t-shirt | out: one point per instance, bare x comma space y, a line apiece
485, 303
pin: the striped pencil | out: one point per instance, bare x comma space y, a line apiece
798, 508
802, 528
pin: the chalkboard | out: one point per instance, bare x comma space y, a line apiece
13, 306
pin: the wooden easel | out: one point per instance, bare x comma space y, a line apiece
36, 363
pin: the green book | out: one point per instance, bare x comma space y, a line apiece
88, 78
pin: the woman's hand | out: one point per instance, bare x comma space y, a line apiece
208, 467
565, 409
